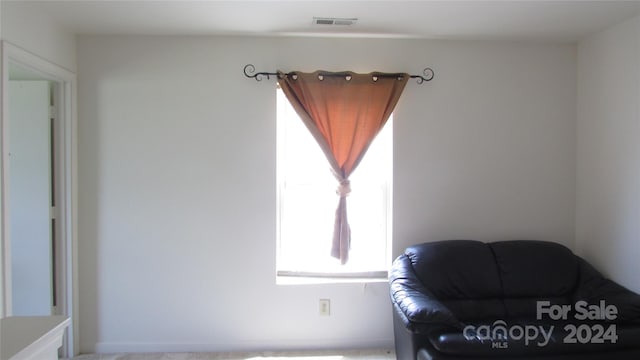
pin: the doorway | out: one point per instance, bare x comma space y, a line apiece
38, 176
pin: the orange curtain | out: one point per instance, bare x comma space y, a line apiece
344, 112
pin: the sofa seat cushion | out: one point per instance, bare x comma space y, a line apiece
457, 344
526, 307
469, 310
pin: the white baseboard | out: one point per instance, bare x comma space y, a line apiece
253, 346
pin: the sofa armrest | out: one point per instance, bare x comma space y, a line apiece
593, 287
414, 303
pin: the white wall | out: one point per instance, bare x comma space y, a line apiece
608, 173
24, 25
487, 151
177, 180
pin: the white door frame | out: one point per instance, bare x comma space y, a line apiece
66, 174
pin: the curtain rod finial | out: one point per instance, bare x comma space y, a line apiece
250, 72
427, 75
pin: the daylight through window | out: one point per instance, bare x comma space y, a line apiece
307, 202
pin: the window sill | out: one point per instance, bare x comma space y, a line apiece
308, 278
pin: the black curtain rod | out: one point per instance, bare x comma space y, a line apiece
250, 72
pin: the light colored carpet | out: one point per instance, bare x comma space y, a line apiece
380, 354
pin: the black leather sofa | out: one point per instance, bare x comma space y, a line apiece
465, 299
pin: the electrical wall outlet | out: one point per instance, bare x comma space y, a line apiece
325, 307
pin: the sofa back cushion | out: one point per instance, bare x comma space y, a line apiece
462, 274
533, 271
529, 268
477, 280
459, 269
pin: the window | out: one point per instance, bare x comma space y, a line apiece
307, 202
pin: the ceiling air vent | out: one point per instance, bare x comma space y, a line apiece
334, 21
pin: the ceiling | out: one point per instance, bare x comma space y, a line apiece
562, 21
